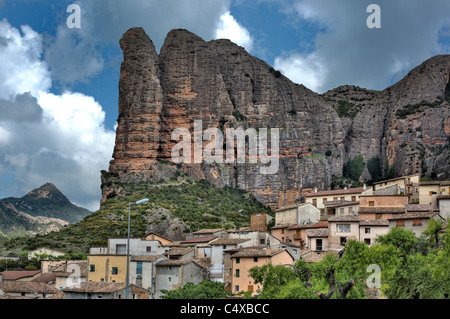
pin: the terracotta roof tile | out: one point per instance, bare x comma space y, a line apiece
27, 287
15, 275
229, 241
414, 215
378, 222
146, 258
97, 287
320, 232
257, 253
199, 240
343, 219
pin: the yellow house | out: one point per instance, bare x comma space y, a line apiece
428, 189
247, 258
107, 268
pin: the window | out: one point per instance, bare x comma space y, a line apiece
224, 247
250, 287
315, 202
353, 198
255, 259
343, 241
115, 270
236, 288
92, 268
238, 260
324, 200
371, 203
169, 279
343, 228
417, 222
341, 211
367, 241
318, 244
149, 248
238, 273
121, 249
282, 230
139, 268
367, 230
335, 198
342, 198
262, 241
102, 280
400, 223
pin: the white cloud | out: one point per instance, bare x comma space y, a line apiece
229, 28
348, 52
304, 69
22, 71
46, 137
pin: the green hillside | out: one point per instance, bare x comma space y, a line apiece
197, 204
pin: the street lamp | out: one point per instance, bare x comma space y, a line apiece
142, 201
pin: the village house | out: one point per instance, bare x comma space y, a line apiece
369, 230
20, 275
428, 189
44, 251
341, 230
247, 258
257, 238
404, 185
26, 289
143, 272
301, 214
217, 255
202, 245
317, 239
215, 232
104, 290
416, 218
110, 264
443, 204
320, 198
295, 234
163, 240
373, 207
173, 274
341, 208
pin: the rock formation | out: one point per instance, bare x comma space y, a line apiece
222, 85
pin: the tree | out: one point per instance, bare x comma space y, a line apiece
354, 168
207, 289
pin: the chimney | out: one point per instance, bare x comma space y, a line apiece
365, 186
315, 189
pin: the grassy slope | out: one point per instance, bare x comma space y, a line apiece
197, 203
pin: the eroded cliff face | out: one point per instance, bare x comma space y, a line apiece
220, 84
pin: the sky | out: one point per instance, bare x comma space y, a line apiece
59, 85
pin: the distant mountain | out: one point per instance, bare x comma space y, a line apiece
42, 210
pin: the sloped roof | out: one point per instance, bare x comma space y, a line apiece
414, 215
319, 232
27, 287
16, 275
378, 222
195, 240
208, 231
229, 241
179, 251
255, 252
343, 219
96, 287
202, 262
356, 190
47, 277
146, 258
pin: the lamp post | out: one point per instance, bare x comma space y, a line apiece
127, 291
